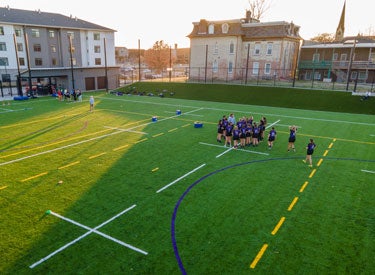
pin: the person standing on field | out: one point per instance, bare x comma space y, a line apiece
292, 138
92, 101
310, 150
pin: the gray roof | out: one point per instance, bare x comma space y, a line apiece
46, 19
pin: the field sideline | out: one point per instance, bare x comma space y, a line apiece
112, 191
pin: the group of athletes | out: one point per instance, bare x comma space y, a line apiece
247, 132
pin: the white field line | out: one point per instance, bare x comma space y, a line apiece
247, 106
86, 140
243, 150
272, 124
125, 130
184, 114
368, 171
218, 156
90, 230
299, 127
180, 178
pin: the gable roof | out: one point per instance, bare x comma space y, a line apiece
46, 19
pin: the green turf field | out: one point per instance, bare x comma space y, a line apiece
113, 192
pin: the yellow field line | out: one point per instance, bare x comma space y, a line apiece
171, 130
320, 162
330, 146
259, 256
303, 186
68, 165
155, 169
3, 187
312, 173
278, 225
36, 176
98, 155
325, 153
160, 134
141, 140
121, 147
292, 204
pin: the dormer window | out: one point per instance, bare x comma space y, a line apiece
224, 28
211, 29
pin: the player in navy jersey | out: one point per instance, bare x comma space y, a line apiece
243, 136
228, 134
255, 136
271, 137
292, 138
309, 151
236, 136
249, 132
220, 130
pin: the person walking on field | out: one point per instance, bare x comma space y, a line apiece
92, 101
310, 150
292, 138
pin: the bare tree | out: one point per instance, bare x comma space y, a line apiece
324, 37
158, 57
258, 8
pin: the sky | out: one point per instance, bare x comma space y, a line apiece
148, 21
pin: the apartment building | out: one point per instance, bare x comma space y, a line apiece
52, 50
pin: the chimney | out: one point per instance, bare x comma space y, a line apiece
248, 16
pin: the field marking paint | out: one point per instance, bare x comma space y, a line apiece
125, 130
186, 125
3, 187
278, 225
183, 114
312, 173
98, 155
155, 169
34, 177
90, 230
243, 150
368, 171
180, 178
157, 135
292, 204
68, 165
330, 146
120, 147
77, 143
226, 151
299, 127
303, 186
258, 256
171, 130
138, 141
325, 153
320, 162
273, 124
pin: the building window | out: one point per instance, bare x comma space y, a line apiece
316, 57
211, 29
216, 48
38, 62
362, 75
3, 46
21, 61
51, 33
335, 56
97, 49
98, 61
35, 33
20, 47
230, 67
18, 32
37, 48
54, 61
257, 49
231, 48
269, 48
96, 36
1, 30
4, 61
255, 68
215, 66
53, 48
267, 68
70, 34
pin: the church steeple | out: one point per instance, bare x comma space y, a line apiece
341, 27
